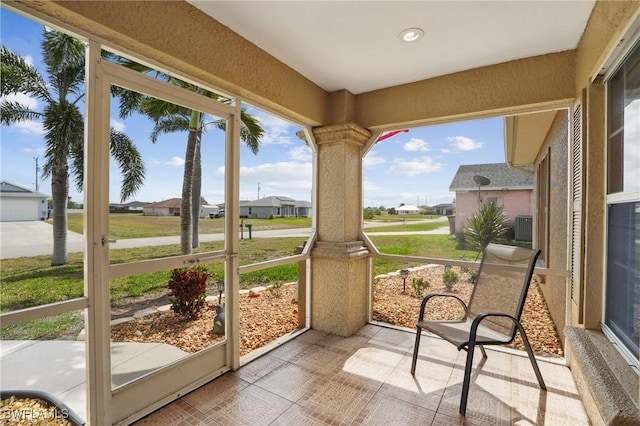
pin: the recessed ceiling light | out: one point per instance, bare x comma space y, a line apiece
411, 34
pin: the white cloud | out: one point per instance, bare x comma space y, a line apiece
276, 130
420, 166
118, 125
372, 159
28, 59
29, 126
287, 178
22, 99
34, 150
463, 143
415, 144
445, 150
34, 127
301, 153
175, 161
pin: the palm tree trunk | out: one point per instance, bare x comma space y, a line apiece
186, 213
60, 195
196, 192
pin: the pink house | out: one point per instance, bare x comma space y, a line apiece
512, 189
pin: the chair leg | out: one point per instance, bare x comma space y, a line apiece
532, 358
467, 379
415, 350
484, 353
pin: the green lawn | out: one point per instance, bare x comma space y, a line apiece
135, 225
409, 227
32, 281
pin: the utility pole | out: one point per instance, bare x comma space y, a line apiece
37, 170
258, 190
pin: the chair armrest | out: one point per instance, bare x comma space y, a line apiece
432, 295
476, 323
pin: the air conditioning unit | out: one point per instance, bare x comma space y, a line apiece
524, 228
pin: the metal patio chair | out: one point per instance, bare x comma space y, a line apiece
492, 316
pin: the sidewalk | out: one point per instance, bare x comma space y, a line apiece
58, 366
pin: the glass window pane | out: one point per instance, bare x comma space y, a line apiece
623, 126
167, 312
152, 216
623, 274
632, 123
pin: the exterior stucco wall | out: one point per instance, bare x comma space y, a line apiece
607, 24
541, 81
553, 287
215, 55
514, 203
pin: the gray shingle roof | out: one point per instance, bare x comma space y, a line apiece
14, 190
501, 176
275, 201
171, 202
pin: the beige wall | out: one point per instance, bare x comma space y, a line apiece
219, 57
607, 25
554, 288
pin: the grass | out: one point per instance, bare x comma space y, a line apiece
438, 246
410, 227
32, 281
136, 225
399, 218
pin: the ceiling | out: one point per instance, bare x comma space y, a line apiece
354, 45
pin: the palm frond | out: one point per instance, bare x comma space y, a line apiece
64, 59
13, 112
128, 100
171, 124
251, 131
64, 127
61, 51
156, 109
76, 159
18, 76
130, 162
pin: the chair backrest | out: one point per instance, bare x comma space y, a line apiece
503, 281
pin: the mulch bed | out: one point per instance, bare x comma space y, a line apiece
265, 318
393, 307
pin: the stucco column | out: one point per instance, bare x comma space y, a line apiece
339, 286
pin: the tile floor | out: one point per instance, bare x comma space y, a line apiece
364, 379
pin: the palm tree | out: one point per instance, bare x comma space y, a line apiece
489, 224
170, 118
61, 93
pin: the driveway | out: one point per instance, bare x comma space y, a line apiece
20, 239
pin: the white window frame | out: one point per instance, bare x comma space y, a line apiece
610, 67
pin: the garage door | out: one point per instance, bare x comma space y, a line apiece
12, 209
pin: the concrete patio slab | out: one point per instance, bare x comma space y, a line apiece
58, 366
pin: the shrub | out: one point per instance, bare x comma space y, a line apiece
419, 285
274, 289
188, 287
472, 276
489, 224
450, 277
368, 213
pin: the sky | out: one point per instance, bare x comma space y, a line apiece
414, 167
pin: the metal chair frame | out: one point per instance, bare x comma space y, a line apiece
470, 344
